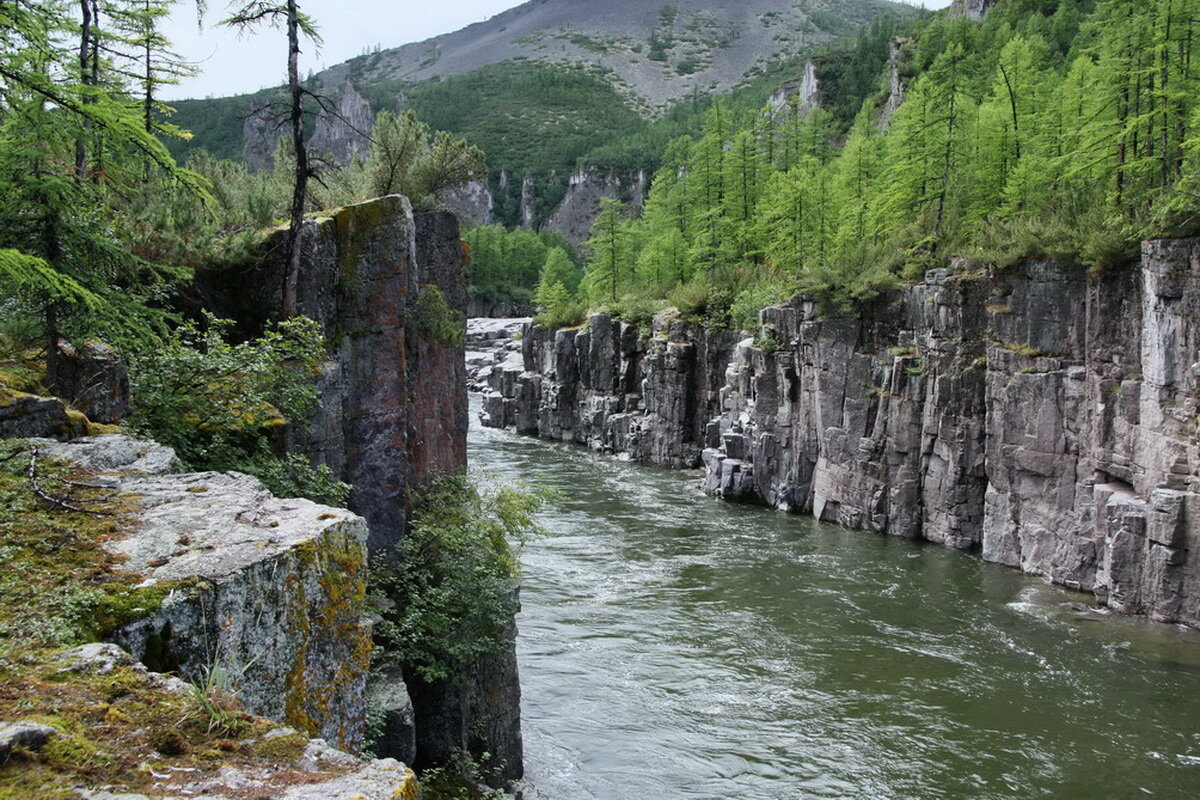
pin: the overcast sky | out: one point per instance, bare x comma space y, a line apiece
232, 64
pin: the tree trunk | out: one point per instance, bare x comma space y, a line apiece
300, 187
85, 77
148, 97
52, 247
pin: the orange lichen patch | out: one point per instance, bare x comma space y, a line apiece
329, 591
411, 790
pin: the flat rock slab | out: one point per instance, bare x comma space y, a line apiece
30, 735
267, 591
213, 524
385, 779
115, 453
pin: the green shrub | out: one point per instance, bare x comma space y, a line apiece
435, 316
570, 314
635, 309
463, 778
449, 587
690, 299
218, 403
294, 476
749, 301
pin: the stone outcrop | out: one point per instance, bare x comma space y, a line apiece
489, 343
971, 9
346, 134
897, 83
268, 592
381, 281
472, 200
1041, 416
25, 416
29, 735
586, 189
472, 714
797, 96
607, 387
261, 130
94, 379
389, 287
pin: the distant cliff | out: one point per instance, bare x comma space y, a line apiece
1044, 417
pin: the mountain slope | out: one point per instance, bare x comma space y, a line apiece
657, 52
554, 84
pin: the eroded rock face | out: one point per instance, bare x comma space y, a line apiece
393, 410
1042, 417
346, 134
267, 593
390, 290
607, 387
26, 416
586, 191
94, 378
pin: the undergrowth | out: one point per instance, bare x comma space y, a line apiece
60, 587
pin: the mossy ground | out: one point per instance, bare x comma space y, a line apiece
23, 374
59, 587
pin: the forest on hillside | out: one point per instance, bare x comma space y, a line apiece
1065, 128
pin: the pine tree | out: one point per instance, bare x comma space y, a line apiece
61, 254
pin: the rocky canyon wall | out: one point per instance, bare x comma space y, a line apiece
389, 288
1041, 416
612, 389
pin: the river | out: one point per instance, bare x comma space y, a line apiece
674, 647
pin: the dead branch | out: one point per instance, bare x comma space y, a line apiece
32, 475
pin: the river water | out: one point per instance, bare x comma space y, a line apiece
675, 647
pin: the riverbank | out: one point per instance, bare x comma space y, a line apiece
679, 648
1041, 416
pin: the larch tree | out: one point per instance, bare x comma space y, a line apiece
297, 24
606, 251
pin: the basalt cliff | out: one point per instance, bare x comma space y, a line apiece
1042, 416
262, 601
389, 287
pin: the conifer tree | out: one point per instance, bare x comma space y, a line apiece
607, 272
297, 24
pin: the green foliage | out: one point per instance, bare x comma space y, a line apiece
293, 475
507, 265
745, 307
405, 157
463, 778
609, 266
529, 117
434, 315
217, 403
555, 300
636, 310
558, 309
450, 583
690, 299
1060, 128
